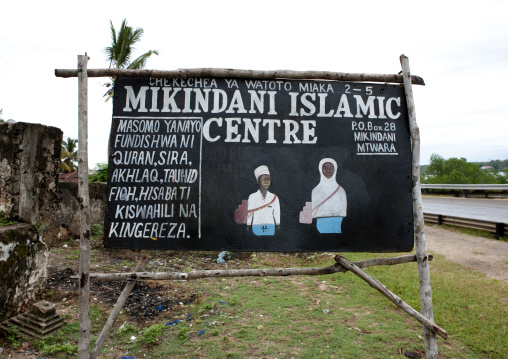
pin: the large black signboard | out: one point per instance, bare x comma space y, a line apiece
259, 165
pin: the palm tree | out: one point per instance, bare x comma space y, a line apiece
69, 156
120, 52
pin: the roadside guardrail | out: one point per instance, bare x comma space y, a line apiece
499, 229
485, 187
465, 188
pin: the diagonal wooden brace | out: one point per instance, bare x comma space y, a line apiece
116, 310
374, 283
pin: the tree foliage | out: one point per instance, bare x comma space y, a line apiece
500, 165
69, 156
100, 173
120, 52
459, 171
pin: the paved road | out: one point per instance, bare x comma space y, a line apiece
494, 210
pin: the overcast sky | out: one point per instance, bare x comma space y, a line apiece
460, 48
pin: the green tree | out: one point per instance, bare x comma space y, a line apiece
69, 156
459, 171
1, 119
499, 165
100, 173
120, 52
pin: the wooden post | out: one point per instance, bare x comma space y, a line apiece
237, 73
264, 272
84, 201
429, 336
116, 310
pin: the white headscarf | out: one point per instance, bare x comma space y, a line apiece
334, 207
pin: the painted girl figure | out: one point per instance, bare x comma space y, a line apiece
263, 207
329, 201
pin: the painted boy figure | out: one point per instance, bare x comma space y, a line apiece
263, 206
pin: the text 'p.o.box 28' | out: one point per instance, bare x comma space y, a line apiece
259, 165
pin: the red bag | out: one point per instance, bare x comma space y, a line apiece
306, 214
241, 212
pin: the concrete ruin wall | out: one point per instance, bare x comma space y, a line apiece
23, 268
70, 205
47, 211
29, 165
29, 187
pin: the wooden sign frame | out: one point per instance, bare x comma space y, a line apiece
430, 329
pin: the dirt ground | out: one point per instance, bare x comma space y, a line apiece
149, 300
488, 256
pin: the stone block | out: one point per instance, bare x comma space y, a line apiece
39, 322
23, 268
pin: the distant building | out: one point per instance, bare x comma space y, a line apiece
68, 177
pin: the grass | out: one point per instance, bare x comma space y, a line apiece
5, 221
329, 316
286, 318
469, 231
73, 254
333, 316
474, 307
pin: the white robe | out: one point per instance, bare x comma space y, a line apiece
336, 206
268, 215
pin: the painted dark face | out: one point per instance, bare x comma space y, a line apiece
328, 169
264, 182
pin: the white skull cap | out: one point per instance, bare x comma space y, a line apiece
261, 170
